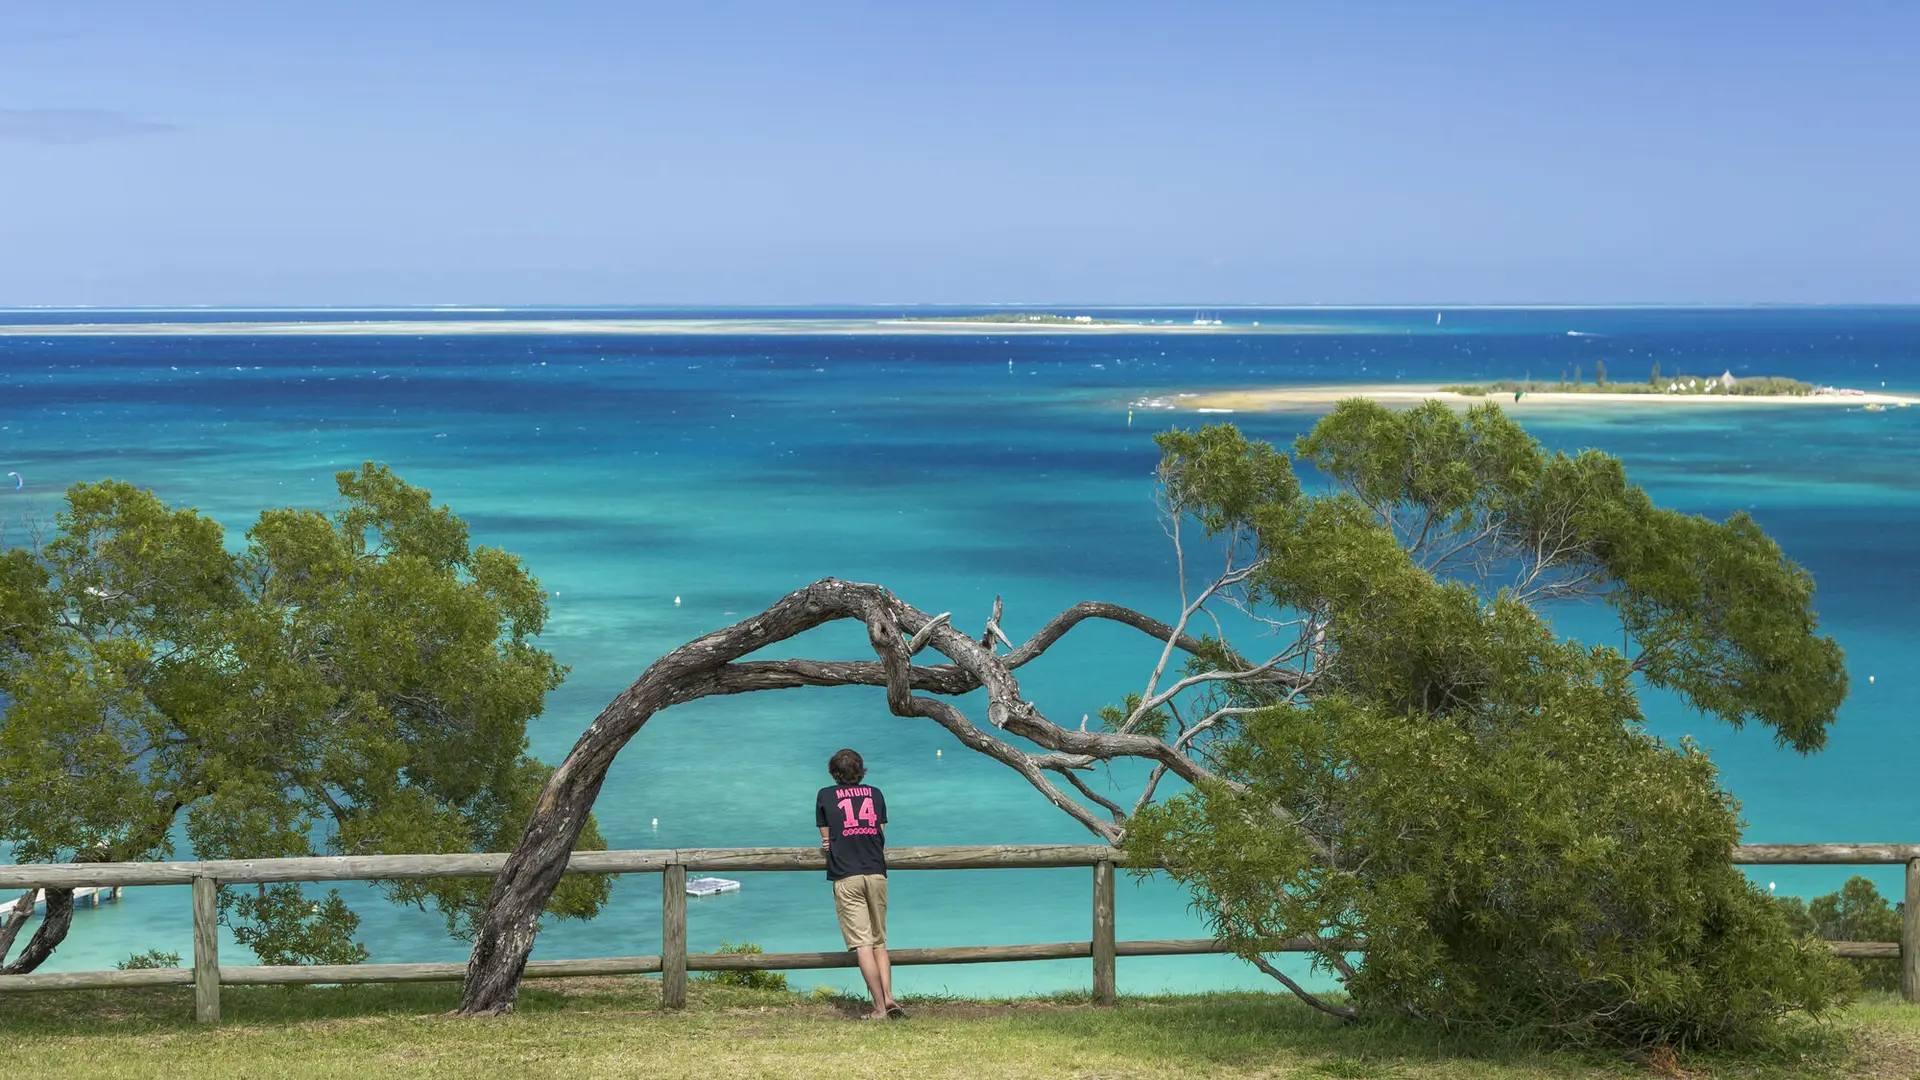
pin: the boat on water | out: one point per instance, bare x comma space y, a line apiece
711, 886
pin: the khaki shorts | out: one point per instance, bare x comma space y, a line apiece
861, 903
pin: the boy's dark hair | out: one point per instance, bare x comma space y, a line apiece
847, 768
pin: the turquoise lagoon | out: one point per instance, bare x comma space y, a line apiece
726, 468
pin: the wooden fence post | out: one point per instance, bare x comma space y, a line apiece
1104, 983
206, 950
1910, 937
673, 937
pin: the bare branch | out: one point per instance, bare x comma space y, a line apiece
920, 639
1344, 1012
1114, 808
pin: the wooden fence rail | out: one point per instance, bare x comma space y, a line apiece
208, 975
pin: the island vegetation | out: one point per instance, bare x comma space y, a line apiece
1022, 318
1573, 381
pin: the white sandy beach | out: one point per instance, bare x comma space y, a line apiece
1283, 399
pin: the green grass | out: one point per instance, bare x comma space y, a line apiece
614, 1028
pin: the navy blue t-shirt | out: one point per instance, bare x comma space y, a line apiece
852, 815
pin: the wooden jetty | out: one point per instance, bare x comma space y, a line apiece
89, 895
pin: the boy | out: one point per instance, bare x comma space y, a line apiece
853, 817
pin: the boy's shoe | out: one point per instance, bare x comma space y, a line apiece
895, 1012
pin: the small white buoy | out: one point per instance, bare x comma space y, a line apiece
676, 601
936, 753
656, 823
1769, 886
1869, 678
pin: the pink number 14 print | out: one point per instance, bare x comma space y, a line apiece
866, 813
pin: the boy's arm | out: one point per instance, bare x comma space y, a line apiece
823, 838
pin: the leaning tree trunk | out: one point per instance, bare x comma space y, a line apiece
17, 918
711, 665
53, 930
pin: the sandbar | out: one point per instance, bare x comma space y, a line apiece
619, 327
1296, 398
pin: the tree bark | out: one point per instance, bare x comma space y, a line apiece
53, 930
712, 665
17, 918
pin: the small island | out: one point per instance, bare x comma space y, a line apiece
1020, 318
1678, 385
1722, 390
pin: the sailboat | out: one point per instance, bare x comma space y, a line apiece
1436, 318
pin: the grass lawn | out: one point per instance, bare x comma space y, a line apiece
613, 1028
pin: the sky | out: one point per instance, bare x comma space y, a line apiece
347, 153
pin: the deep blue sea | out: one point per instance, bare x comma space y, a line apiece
727, 469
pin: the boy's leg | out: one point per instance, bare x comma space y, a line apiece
877, 909
870, 971
853, 903
885, 968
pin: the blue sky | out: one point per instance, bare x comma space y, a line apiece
425, 153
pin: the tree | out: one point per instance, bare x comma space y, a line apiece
1856, 913
1576, 374
1653, 380
353, 682
1600, 373
1417, 760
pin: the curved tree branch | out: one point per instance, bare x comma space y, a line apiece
713, 665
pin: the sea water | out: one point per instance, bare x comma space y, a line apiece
727, 469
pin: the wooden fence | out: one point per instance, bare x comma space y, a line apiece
207, 975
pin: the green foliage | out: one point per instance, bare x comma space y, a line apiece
1856, 913
1221, 479
1474, 796
1153, 722
357, 681
1753, 386
1770, 385
749, 978
1600, 372
152, 958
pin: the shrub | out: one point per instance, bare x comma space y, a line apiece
152, 958
1561, 872
1461, 809
750, 979
1856, 913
